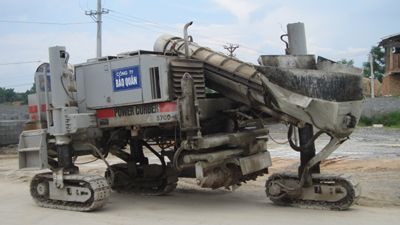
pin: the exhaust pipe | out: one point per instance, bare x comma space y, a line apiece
185, 37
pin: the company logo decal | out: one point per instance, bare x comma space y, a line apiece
126, 78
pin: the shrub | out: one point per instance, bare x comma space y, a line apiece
387, 119
365, 121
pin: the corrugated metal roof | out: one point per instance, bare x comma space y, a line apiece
391, 41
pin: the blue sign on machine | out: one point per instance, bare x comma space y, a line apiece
126, 78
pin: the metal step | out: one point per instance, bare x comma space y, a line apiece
32, 150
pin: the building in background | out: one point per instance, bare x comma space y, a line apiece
391, 80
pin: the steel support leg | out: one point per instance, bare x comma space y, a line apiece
137, 152
64, 155
305, 135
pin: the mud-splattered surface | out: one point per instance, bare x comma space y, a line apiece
372, 156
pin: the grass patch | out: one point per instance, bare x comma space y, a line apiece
365, 121
396, 127
391, 119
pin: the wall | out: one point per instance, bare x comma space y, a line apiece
21, 112
12, 120
376, 106
10, 131
391, 84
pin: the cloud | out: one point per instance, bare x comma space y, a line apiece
240, 8
350, 53
332, 28
22, 18
34, 47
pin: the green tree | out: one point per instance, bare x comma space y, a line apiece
345, 62
378, 62
7, 95
32, 90
28, 92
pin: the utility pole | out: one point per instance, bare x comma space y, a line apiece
231, 48
372, 76
96, 16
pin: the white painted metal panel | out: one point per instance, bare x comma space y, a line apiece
98, 85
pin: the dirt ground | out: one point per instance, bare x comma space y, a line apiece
372, 156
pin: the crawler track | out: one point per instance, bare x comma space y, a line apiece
353, 191
123, 183
100, 191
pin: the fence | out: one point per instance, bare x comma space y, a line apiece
377, 106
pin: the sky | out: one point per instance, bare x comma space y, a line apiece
340, 29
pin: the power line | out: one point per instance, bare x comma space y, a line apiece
43, 23
51, 42
78, 40
349, 54
133, 24
148, 23
13, 78
19, 85
170, 28
246, 52
80, 5
5, 64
